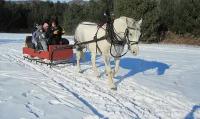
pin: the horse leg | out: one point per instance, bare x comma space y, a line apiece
93, 59
109, 72
78, 58
116, 70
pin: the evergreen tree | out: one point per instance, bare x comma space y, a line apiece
178, 16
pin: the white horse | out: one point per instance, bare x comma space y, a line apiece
86, 32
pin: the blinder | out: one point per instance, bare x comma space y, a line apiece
126, 36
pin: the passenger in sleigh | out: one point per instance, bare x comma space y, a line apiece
40, 37
55, 34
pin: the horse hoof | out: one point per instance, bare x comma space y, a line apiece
114, 88
98, 77
80, 72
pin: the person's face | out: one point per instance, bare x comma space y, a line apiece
53, 24
45, 26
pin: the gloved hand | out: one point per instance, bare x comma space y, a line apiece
55, 32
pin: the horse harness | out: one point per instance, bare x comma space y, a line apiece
112, 37
122, 42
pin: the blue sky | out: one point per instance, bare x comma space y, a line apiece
46, 0
43, 0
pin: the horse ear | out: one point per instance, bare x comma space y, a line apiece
140, 22
127, 20
130, 21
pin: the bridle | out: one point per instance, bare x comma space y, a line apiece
129, 42
116, 39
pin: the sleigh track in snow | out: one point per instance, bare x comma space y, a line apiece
129, 101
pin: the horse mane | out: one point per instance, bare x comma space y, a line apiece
88, 23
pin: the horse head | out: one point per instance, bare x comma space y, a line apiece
130, 30
134, 33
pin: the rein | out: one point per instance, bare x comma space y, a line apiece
95, 39
123, 41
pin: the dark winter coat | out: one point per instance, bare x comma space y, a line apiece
55, 35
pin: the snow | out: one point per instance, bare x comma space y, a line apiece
161, 82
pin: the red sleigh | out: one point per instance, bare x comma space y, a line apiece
54, 53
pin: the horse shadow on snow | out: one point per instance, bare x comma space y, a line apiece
135, 66
191, 114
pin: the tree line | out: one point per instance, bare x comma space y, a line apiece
178, 16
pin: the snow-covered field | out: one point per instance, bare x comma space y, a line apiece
162, 82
